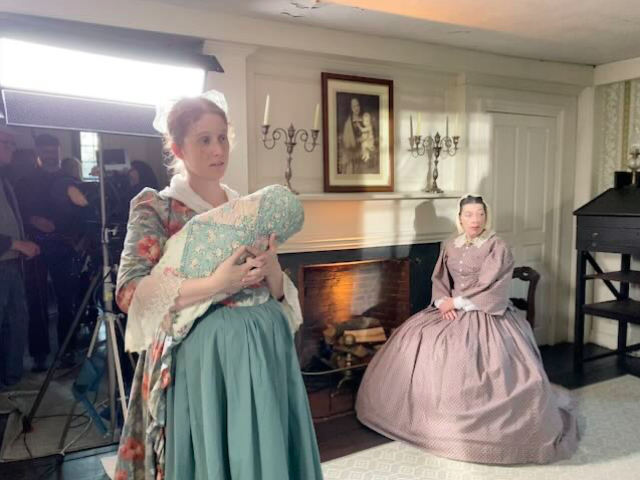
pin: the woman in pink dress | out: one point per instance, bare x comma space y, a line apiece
464, 378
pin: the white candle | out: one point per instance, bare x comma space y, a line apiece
447, 127
457, 130
316, 118
266, 111
419, 123
411, 125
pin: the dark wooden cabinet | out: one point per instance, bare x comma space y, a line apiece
608, 223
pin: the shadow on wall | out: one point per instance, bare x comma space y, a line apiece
427, 219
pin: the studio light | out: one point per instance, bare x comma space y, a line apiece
41, 68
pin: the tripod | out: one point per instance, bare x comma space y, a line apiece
111, 323
106, 318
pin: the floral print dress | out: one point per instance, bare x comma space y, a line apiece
155, 218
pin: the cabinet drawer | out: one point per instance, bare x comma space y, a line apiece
595, 238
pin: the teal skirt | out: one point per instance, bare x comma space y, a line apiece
238, 409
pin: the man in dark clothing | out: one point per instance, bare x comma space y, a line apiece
13, 246
51, 227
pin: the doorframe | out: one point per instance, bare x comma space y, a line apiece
564, 169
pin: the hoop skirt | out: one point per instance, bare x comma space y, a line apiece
471, 389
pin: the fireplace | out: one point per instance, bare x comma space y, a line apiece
334, 294
386, 283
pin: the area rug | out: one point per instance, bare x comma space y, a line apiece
609, 416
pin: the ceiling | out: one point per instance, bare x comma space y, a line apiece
589, 32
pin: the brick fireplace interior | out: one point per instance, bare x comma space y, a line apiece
334, 293
387, 282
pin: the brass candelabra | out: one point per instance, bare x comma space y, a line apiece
291, 138
441, 147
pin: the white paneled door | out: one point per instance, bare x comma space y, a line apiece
523, 187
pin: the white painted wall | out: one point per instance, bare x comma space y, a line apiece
293, 82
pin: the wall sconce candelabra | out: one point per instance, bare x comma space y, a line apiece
291, 138
441, 147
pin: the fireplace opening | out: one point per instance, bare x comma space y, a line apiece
368, 299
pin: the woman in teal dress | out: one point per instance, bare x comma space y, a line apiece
218, 392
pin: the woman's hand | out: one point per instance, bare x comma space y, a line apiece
450, 315
232, 276
446, 305
270, 267
448, 309
229, 278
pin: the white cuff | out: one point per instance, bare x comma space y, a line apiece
462, 303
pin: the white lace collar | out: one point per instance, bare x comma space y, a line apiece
461, 240
180, 190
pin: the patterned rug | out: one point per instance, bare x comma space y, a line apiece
609, 417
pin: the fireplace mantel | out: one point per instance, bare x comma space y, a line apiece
355, 197
339, 221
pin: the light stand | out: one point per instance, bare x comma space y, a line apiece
107, 317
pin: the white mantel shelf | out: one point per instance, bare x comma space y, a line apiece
357, 197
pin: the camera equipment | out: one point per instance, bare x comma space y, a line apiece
115, 159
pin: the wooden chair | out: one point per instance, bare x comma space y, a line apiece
527, 274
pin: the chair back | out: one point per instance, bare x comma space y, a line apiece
527, 274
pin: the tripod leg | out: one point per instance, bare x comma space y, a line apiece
94, 337
121, 330
118, 366
112, 379
61, 351
67, 425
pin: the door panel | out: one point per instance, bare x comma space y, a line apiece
523, 184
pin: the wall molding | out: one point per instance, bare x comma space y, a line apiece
214, 47
300, 245
511, 83
617, 71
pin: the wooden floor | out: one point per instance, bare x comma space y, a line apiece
336, 438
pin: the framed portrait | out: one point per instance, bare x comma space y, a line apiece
357, 133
